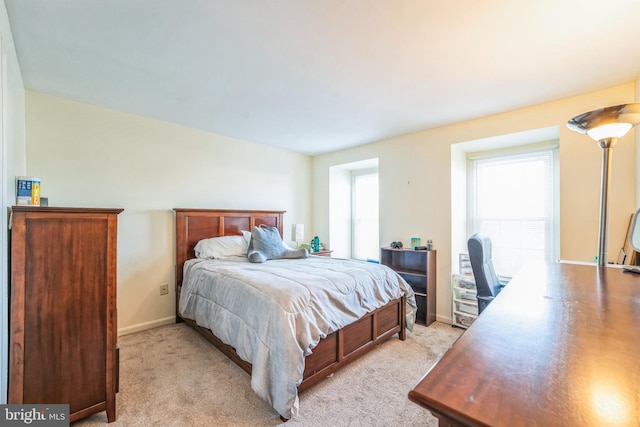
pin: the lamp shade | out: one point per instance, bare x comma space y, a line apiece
298, 232
608, 122
610, 130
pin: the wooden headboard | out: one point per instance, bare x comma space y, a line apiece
193, 225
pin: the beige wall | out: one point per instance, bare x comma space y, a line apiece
89, 156
415, 181
637, 150
13, 120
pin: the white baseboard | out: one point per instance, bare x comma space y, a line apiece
169, 320
146, 325
444, 319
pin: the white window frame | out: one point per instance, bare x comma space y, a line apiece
549, 149
354, 228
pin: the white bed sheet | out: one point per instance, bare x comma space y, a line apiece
275, 313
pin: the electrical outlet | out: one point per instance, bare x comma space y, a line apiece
164, 289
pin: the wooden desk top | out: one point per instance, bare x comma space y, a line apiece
560, 346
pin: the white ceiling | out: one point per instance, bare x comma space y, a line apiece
321, 75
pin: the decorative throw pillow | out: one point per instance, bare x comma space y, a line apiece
266, 244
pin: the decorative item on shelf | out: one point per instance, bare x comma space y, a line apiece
429, 245
297, 232
415, 241
27, 190
606, 126
315, 244
396, 245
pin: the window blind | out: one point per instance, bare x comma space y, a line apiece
512, 199
364, 215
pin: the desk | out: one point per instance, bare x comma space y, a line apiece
559, 346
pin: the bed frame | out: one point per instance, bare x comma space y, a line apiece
334, 351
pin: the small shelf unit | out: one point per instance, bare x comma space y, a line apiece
418, 269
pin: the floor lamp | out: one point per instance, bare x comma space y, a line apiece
606, 126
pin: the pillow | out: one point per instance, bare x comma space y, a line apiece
221, 247
266, 244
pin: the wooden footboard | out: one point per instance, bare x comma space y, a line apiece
354, 340
337, 349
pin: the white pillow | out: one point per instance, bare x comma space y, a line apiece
222, 247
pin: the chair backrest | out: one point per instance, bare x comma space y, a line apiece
487, 283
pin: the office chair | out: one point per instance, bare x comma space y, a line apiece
487, 284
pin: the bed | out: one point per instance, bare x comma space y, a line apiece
332, 350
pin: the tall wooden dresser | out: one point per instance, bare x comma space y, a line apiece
63, 320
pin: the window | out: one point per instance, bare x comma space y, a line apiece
353, 210
364, 214
512, 198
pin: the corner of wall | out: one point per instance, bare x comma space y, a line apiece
637, 99
12, 163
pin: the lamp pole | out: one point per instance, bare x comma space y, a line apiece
607, 145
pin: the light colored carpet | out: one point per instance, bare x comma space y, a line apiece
172, 376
